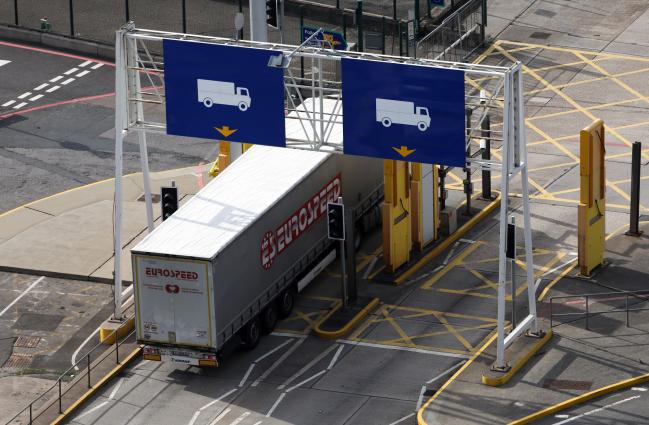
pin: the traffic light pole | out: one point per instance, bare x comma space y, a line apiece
258, 29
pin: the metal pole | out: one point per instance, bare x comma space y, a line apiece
394, 10
344, 25
350, 238
513, 269
71, 18
258, 26
383, 30
468, 190
241, 11
60, 403
486, 155
400, 29
16, 12
184, 11
442, 187
337, 4
627, 310
343, 280
126, 8
417, 15
587, 312
88, 366
359, 25
301, 32
117, 346
635, 191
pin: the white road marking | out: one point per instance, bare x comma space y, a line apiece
193, 419
114, 392
421, 397
412, 350
99, 65
306, 380
258, 423
70, 71
243, 416
217, 400
24, 95
369, 268
82, 73
253, 364
277, 402
29, 288
86, 63
20, 105
288, 334
306, 367
641, 389
53, 89
245, 377
466, 240
398, 421
87, 412
450, 253
68, 81
139, 365
11, 102
35, 98
55, 79
278, 362
42, 86
218, 418
561, 416
4, 62
450, 369
335, 357
560, 266
591, 412
73, 359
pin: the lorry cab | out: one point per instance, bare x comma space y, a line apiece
424, 118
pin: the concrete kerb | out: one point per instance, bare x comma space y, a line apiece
347, 328
582, 398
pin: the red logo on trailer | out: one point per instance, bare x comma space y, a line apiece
172, 289
275, 242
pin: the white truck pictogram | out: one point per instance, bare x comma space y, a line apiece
212, 92
390, 111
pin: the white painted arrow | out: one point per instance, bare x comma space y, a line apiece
4, 62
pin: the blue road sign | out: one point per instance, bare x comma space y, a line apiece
404, 112
336, 39
223, 92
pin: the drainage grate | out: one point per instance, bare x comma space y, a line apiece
567, 384
27, 341
155, 198
540, 35
18, 361
546, 13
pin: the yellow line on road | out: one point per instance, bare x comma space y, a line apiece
457, 260
454, 331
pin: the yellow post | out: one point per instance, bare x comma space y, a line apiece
592, 198
396, 214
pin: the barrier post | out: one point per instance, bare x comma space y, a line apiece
486, 155
635, 191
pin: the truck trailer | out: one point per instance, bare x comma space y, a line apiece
230, 260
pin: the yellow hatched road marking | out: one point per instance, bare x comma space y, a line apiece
454, 331
569, 50
489, 326
452, 264
591, 80
395, 325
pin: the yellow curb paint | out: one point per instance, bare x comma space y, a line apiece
349, 325
107, 330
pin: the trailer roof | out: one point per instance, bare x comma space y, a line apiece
231, 202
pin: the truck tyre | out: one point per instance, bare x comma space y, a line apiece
250, 333
208, 102
422, 126
387, 122
243, 107
269, 318
285, 302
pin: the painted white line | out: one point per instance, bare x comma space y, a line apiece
245, 377
68, 81
24, 95
277, 402
421, 397
560, 266
82, 73
139, 365
52, 89
398, 421
35, 98
258, 423
20, 105
450, 369
335, 357
22, 294
11, 102
193, 419
243, 416
221, 416
306, 367
397, 348
306, 380
42, 86
288, 334
97, 407
4, 62
591, 412
278, 362
641, 389
563, 416
369, 268
71, 71
99, 65
466, 240
73, 359
55, 79
114, 392
218, 399
86, 63
273, 350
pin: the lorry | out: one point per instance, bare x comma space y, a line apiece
231, 259
390, 112
212, 92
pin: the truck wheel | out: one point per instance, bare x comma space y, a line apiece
422, 126
250, 333
387, 122
243, 107
269, 318
208, 102
285, 303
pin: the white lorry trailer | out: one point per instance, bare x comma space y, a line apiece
212, 92
229, 260
390, 112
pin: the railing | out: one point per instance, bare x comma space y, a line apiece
458, 36
631, 299
54, 401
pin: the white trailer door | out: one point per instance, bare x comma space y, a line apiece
173, 301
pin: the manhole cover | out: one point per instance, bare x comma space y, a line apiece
547, 13
18, 361
540, 35
155, 198
567, 384
27, 341
38, 322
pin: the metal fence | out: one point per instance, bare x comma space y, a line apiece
79, 377
590, 305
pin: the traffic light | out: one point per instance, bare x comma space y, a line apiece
272, 10
169, 197
336, 221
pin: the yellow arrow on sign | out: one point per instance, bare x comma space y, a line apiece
404, 151
225, 130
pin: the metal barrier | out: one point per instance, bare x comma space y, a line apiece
458, 36
639, 296
53, 401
